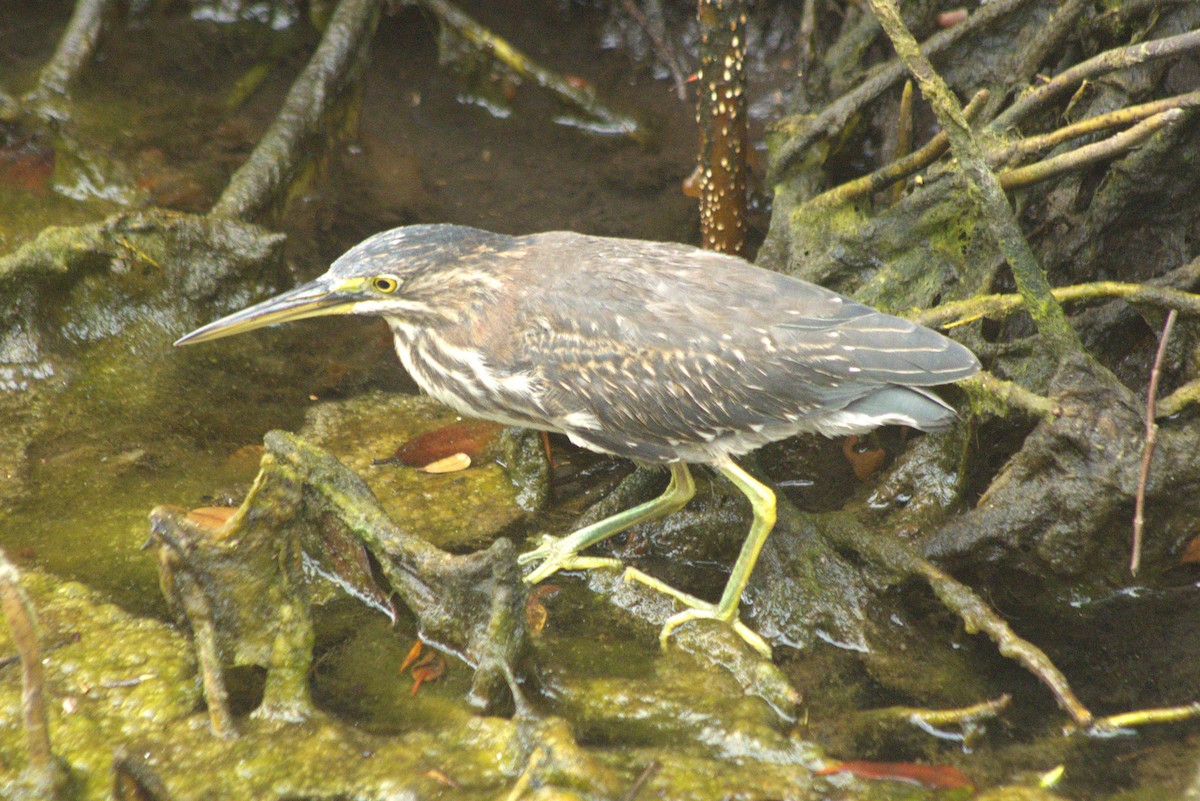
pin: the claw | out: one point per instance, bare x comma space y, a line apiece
556, 556
698, 610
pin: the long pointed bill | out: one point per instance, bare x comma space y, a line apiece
314, 299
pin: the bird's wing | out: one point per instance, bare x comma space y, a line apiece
701, 346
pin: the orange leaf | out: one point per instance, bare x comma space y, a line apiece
430, 668
1191, 552
413, 653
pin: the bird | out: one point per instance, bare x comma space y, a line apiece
662, 353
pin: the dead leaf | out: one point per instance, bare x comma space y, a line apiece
935, 777
451, 464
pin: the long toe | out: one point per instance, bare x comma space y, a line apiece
555, 556
710, 612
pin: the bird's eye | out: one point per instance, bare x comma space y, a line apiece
385, 283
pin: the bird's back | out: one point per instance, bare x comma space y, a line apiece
665, 352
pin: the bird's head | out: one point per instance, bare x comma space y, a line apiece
406, 273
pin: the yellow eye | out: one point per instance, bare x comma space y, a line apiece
385, 284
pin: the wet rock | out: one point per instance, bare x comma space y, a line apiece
459, 510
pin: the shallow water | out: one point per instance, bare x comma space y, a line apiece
153, 104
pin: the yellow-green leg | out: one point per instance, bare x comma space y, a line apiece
762, 501
563, 554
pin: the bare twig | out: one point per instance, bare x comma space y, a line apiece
1088, 154
896, 555
1139, 509
662, 47
977, 616
1031, 281
1108, 61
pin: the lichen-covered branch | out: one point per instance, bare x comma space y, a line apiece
1032, 145
307, 114
994, 207
1108, 61
897, 170
1088, 154
961, 312
989, 391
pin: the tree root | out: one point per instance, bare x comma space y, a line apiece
308, 114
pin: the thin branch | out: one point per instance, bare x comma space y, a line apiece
833, 117
1045, 40
1031, 281
1139, 510
1141, 717
977, 616
666, 53
961, 312
898, 170
74, 51
895, 554
1088, 154
1108, 61
264, 179
1033, 145
581, 96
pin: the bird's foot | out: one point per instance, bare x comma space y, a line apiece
698, 610
557, 554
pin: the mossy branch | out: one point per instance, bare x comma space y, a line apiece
1088, 154
1031, 280
833, 118
1108, 61
961, 312
897, 170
